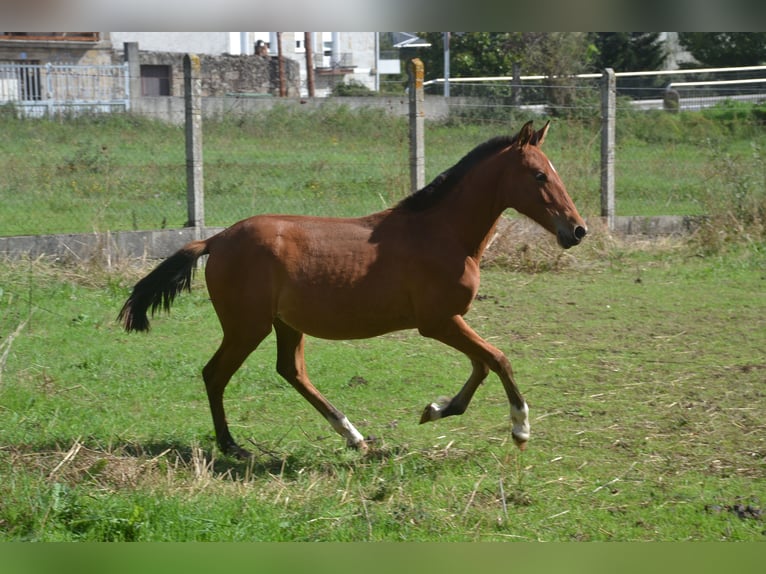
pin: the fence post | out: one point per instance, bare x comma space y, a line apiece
49, 95
417, 115
133, 62
608, 117
516, 84
195, 198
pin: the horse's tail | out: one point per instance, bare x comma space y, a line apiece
161, 286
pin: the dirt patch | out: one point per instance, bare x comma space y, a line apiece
739, 509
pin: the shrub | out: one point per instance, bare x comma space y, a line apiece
352, 88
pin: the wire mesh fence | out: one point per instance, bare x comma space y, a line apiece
686, 142
124, 172
76, 173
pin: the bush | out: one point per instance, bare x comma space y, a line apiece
352, 88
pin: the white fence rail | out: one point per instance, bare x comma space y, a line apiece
646, 90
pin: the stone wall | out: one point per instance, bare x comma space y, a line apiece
226, 74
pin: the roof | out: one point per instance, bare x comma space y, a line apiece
409, 40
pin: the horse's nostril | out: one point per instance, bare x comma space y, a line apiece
580, 232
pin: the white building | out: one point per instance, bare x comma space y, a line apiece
337, 56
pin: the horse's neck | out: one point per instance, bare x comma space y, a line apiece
471, 213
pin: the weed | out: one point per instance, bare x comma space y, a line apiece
735, 201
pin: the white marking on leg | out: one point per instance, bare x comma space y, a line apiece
434, 412
520, 419
344, 428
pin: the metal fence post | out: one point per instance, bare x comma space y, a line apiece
608, 116
417, 115
195, 197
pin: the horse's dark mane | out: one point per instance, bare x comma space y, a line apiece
441, 185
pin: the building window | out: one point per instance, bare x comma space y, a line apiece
155, 80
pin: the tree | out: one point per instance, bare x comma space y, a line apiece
725, 49
628, 51
471, 54
494, 53
559, 55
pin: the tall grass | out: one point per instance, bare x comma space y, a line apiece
735, 200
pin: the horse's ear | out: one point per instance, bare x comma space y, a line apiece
526, 134
538, 137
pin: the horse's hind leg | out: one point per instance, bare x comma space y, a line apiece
292, 366
216, 374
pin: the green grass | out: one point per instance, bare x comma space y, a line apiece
124, 172
643, 368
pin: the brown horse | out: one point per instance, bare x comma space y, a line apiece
415, 265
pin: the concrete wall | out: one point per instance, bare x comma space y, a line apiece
171, 109
111, 247
108, 247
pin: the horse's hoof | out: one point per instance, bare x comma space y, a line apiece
520, 443
430, 413
236, 451
435, 410
243, 454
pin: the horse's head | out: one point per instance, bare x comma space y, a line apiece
538, 191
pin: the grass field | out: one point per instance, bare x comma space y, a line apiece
643, 366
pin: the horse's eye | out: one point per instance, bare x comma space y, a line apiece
541, 177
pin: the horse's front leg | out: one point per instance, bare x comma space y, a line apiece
484, 357
457, 405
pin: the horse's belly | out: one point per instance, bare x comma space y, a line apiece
343, 317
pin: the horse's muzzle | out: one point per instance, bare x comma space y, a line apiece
570, 238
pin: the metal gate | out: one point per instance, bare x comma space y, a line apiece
37, 90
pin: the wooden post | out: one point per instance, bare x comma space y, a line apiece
195, 197
417, 115
608, 117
